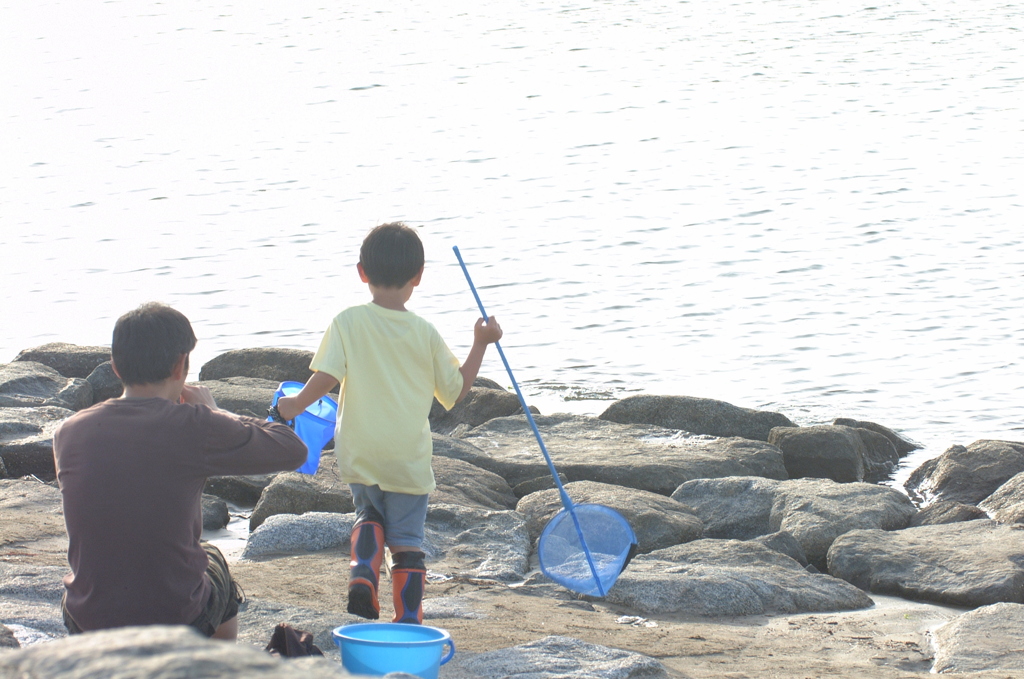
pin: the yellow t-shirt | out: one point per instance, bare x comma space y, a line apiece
390, 364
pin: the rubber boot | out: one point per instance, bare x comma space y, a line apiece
367, 556
408, 580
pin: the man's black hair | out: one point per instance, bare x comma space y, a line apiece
392, 255
148, 341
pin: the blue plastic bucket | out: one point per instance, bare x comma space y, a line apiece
377, 648
315, 425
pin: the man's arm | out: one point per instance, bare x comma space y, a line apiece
483, 334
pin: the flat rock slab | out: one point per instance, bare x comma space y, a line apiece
26, 440
475, 542
696, 415
30, 600
556, 657
728, 578
156, 652
971, 563
467, 541
657, 521
257, 619
638, 456
814, 511
30, 512
984, 640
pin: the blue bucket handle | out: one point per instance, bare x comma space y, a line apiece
451, 650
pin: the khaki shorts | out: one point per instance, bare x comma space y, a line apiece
222, 606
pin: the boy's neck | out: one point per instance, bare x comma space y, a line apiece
391, 298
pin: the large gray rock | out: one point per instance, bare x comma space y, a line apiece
945, 511
295, 534
727, 578
295, 493
817, 511
556, 657
275, 365
970, 563
814, 511
243, 395
26, 440
105, 383
902, 445
1006, 505
658, 521
244, 491
843, 454
70, 360
461, 483
633, 455
480, 405
32, 385
983, 640
696, 415
967, 475
738, 507
156, 652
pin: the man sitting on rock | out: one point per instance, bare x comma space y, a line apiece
132, 470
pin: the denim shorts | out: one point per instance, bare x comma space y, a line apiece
404, 515
225, 596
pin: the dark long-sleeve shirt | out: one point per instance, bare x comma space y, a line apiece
131, 472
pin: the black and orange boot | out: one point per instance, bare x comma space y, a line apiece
367, 556
408, 580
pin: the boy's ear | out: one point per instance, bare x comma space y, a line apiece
113, 366
362, 274
417, 278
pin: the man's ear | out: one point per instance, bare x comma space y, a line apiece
362, 274
180, 369
113, 366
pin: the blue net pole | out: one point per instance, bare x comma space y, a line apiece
566, 500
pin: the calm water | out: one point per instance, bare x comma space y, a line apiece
812, 207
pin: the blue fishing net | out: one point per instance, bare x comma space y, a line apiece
592, 564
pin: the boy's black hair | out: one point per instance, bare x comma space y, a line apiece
391, 255
148, 341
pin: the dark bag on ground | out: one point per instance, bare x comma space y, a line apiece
288, 642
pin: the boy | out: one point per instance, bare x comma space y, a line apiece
391, 364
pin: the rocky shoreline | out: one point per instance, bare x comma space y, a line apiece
765, 548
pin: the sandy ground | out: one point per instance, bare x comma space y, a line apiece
890, 639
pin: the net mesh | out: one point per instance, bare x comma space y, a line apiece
608, 537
